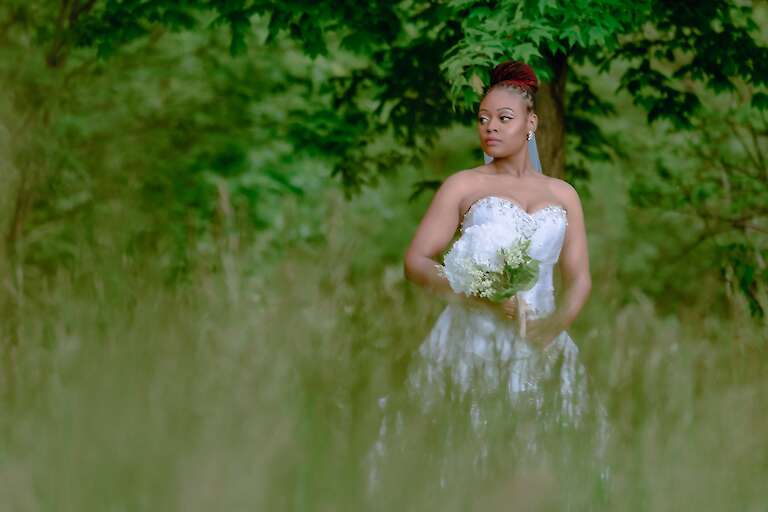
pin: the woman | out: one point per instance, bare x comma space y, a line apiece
506, 120
547, 210
475, 350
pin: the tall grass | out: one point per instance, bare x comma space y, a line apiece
255, 384
244, 391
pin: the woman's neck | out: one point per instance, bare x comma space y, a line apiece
513, 166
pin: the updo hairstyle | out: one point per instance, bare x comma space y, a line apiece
517, 76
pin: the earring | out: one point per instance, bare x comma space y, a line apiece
530, 135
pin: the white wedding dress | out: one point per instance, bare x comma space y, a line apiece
472, 352
473, 346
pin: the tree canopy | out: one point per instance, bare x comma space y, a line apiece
377, 84
427, 61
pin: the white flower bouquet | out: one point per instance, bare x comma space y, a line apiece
491, 261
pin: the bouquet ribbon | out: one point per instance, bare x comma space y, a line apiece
522, 310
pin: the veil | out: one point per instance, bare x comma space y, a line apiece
532, 150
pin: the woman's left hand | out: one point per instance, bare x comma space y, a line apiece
542, 331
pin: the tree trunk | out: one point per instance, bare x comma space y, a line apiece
550, 108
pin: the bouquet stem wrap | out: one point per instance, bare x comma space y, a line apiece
522, 313
491, 260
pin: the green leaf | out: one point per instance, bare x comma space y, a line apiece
760, 101
526, 52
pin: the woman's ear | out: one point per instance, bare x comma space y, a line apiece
533, 121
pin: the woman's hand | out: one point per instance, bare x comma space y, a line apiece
542, 331
510, 307
479, 301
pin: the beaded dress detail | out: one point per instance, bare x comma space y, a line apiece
472, 352
478, 349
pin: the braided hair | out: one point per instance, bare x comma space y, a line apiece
517, 76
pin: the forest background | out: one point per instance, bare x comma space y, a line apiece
205, 205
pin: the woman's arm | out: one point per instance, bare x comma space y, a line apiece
574, 259
434, 233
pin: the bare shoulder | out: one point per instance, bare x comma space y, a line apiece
565, 192
456, 184
465, 175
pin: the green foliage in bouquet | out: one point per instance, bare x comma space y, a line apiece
520, 272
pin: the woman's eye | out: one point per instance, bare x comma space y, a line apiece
482, 120
506, 117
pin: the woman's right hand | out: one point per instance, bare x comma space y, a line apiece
509, 307
482, 302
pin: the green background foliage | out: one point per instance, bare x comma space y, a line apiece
204, 208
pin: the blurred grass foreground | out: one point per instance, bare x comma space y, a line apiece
237, 392
194, 316
262, 396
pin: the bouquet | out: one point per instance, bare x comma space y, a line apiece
491, 261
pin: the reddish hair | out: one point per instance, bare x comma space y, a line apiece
518, 76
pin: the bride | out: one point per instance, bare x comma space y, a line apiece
476, 348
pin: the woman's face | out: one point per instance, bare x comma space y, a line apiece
503, 123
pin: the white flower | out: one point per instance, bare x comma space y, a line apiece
477, 254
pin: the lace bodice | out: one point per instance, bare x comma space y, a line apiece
545, 228
472, 352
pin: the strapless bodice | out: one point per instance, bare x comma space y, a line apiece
474, 352
545, 228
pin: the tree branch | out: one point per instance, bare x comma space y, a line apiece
77, 10
758, 152
743, 143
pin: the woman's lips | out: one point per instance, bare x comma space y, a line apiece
492, 141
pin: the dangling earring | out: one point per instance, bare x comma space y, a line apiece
530, 134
